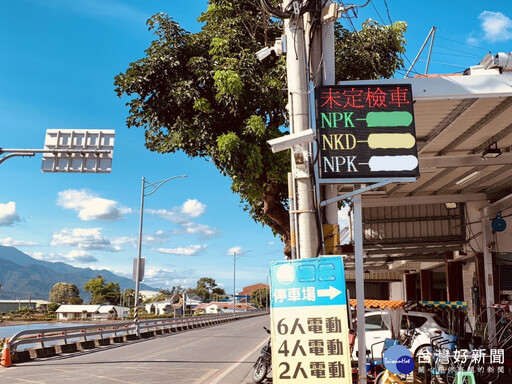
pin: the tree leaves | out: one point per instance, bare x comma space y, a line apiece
207, 95
374, 52
65, 293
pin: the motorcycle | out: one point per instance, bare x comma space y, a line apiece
264, 363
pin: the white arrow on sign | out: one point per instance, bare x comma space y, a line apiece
331, 292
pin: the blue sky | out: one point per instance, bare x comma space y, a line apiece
58, 62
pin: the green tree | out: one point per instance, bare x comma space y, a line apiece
112, 293
128, 297
205, 288
162, 295
207, 95
52, 307
65, 293
373, 52
218, 291
102, 292
261, 297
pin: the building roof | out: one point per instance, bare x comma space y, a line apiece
251, 288
457, 120
93, 308
17, 301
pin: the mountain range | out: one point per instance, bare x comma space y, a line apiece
23, 277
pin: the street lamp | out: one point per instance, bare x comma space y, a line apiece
236, 255
138, 276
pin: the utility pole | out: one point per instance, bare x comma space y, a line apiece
322, 64
319, 68
298, 108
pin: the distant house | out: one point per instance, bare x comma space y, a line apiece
248, 291
7, 306
93, 312
164, 307
221, 307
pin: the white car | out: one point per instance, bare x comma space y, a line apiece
427, 325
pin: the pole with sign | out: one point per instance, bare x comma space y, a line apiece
366, 135
309, 321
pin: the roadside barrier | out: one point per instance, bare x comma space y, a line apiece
47, 342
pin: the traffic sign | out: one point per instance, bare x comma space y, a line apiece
309, 321
78, 150
366, 132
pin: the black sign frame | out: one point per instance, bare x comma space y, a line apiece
366, 133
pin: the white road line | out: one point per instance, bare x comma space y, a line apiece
225, 372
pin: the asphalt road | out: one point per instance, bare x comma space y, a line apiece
220, 354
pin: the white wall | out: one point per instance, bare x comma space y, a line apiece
397, 290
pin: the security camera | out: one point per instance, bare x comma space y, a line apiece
288, 141
279, 48
263, 53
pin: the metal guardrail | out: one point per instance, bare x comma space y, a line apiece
44, 337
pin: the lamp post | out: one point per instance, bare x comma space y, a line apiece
138, 275
236, 255
234, 279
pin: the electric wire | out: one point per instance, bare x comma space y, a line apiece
289, 11
460, 42
378, 14
457, 50
387, 11
351, 25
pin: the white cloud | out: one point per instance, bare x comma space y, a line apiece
168, 278
190, 250
193, 208
270, 243
125, 240
10, 242
74, 256
84, 238
80, 256
496, 26
233, 250
91, 207
157, 237
189, 209
8, 214
198, 229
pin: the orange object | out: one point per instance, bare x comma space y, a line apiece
6, 355
395, 304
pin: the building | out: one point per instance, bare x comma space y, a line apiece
164, 307
91, 312
7, 306
222, 307
247, 291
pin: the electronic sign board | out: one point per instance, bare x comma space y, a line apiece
366, 132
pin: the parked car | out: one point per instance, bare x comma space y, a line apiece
427, 325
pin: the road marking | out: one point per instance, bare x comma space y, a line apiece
227, 370
206, 375
85, 375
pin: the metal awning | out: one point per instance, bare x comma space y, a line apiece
457, 118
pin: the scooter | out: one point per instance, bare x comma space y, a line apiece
264, 363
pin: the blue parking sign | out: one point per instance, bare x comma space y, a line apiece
308, 310
308, 282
